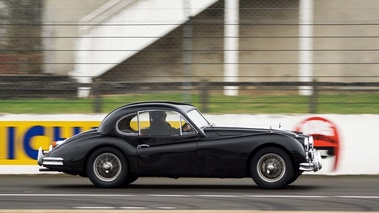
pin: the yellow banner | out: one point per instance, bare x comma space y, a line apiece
20, 140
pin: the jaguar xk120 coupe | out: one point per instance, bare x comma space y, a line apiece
169, 139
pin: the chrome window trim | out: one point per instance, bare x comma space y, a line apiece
126, 133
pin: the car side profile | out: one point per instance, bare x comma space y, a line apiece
171, 139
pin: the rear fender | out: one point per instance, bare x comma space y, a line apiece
125, 147
85, 148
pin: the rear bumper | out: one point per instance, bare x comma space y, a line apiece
48, 161
314, 162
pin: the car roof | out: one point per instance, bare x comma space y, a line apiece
163, 103
108, 122
184, 107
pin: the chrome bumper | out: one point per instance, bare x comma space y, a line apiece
314, 162
48, 161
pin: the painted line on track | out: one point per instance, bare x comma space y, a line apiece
157, 211
93, 207
133, 207
195, 195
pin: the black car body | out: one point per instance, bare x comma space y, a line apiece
127, 145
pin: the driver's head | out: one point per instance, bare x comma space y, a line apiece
158, 115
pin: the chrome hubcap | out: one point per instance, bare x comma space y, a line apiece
107, 167
271, 167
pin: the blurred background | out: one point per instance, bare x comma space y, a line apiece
223, 56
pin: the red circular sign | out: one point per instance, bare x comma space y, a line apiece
325, 135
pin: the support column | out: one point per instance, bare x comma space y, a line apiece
231, 46
306, 46
187, 52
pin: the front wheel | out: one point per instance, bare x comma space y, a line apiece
295, 176
130, 179
271, 168
107, 167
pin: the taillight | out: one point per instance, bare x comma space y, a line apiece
57, 143
54, 144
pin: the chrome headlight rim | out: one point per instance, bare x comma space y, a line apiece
311, 142
306, 144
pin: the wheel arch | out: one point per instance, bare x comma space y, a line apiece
131, 166
262, 146
293, 151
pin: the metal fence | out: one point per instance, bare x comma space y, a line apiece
61, 50
204, 89
281, 96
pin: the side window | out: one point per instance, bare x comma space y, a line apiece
128, 125
144, 123
162, 123
186, 127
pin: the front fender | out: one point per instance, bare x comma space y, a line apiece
288, 143
231, 155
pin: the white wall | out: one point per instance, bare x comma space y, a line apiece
358, 134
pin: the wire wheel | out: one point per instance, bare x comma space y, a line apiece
107, 167
271, 167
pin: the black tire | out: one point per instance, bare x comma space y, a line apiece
107, 167
271, 168
295, 176
130, 179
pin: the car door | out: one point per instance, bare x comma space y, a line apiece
162, 152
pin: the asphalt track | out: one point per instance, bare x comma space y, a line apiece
62, 193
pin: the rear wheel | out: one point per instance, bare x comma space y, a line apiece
107, 167
271, 168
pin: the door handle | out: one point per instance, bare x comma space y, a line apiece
142, 146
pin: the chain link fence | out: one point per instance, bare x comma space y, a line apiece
96, 50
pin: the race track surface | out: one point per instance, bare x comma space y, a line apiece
308, 193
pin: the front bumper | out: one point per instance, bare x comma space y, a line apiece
313, 161
48, 161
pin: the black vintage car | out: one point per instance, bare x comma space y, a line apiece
168, 139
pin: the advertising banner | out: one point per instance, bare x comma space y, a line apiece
349, 144
20, 140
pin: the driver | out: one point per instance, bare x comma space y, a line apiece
159, 125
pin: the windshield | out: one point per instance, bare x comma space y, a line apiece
198, 118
